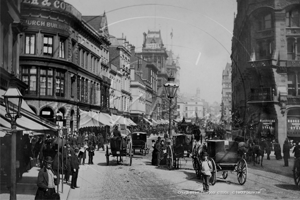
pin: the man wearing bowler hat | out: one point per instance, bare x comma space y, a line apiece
47, 179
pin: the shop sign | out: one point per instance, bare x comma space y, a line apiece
55, 4
267, 120
46, 113
47, 24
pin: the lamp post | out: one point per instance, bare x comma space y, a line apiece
13, 101
171, 89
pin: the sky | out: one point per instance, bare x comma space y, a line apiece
202, 33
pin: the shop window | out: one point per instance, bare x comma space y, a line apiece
48, 45
46, 82
60, 84
29, 76
30, 44
62, 47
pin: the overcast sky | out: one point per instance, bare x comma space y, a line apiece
202, 32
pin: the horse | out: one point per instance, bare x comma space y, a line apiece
258, 152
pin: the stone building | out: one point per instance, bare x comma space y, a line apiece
64, 61
226, 95
120, 57
265, 70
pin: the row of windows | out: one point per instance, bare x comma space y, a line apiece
44, 81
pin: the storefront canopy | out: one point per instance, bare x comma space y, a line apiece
103, 118
117, 119
87, 121
28, 121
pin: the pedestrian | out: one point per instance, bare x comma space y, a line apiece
286, 152
206, 171
268, 148
67, 162
82, 153
158, 151
46, 181
100, 142
74, 168
91, 150
277, 150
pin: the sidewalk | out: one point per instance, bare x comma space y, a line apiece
26, 188
275, 166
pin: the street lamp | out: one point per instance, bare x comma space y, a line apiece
13, 100
170, 89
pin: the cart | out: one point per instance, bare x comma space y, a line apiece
139, 141
296, 171
181, 147
224, 157
119, 147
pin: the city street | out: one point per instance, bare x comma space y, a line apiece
144, 181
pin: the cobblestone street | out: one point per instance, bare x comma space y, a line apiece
144, 181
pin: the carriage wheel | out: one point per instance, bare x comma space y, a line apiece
107, 156
213, 178
225, 174
242, 171
170, 159
296, 171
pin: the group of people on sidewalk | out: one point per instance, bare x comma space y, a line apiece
72, 154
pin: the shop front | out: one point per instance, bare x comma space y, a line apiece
267, 128
293, 124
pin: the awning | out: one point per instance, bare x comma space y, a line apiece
27, 121
103, 118
87, 121
131, 122
154, 122
117, 119
148, 121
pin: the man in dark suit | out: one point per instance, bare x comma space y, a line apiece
74, 168
91, 150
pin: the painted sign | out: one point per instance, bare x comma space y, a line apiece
293, 127
55, 4
51, 24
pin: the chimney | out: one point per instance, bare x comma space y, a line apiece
132, 49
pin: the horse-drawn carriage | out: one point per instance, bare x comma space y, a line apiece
139, 141
119, 147
180, 147
223, 156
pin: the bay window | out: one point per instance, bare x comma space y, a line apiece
46, 82
60, 84
29, 76
48, 45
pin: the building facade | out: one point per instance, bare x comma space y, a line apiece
120, 57
265, 71
155, 54
226, 95
64, 62
10, 28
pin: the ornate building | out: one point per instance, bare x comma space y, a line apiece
64, 61
226, 96
265, 70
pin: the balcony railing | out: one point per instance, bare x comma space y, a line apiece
262, 63
261, 95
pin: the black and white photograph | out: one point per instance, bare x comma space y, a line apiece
149, 99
